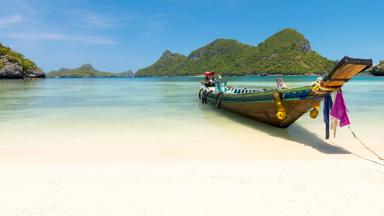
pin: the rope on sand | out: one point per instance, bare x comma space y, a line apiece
365, 146
357, 155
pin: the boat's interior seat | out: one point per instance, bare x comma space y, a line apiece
242, 90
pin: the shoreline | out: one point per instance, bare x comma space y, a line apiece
141, 148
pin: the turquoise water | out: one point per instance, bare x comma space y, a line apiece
151, 101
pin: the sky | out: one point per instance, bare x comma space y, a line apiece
128, 35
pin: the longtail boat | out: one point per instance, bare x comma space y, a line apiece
280, 106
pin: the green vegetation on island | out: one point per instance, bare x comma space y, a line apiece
286, 52
378, 70
14, 65
85, 71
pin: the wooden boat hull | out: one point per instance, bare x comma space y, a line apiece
261, 107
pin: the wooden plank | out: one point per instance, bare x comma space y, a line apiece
345, 70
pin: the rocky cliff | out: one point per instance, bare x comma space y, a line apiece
14, 65
378, 70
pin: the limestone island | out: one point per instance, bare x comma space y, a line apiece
14, 65
378, 70
287, 52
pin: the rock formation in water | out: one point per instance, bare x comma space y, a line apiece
378, 70
14, 65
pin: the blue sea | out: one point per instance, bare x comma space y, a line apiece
159, 104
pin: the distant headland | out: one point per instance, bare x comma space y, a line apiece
86, 71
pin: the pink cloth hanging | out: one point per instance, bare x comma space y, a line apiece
339, 110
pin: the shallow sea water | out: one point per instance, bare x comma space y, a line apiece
168, 104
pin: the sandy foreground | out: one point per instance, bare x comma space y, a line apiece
96, 171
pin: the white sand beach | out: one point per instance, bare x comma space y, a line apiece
151, 170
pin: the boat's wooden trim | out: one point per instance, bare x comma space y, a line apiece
345, 70
267, 96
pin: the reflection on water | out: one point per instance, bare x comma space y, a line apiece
135, 100
16, 96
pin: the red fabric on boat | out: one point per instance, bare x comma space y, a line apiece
209, 73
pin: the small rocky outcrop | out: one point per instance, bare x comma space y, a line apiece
14, 65
378, 70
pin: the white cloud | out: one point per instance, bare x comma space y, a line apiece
10, 20
44, 36
99, 21
93, 20
22, 4
153, 28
